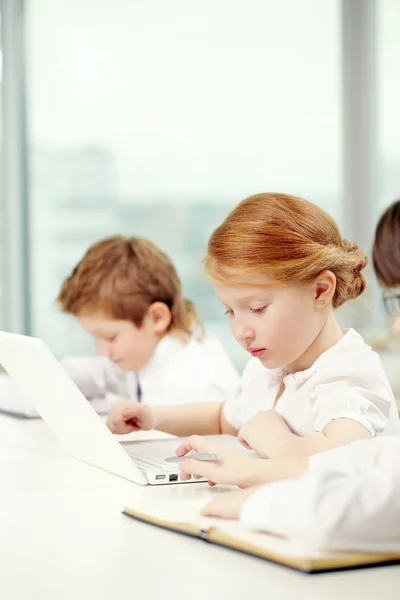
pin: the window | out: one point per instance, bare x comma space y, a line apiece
156, 118
388, 101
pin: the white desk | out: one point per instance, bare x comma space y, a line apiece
63, 537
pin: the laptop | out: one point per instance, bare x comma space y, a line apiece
14, 403
77, 426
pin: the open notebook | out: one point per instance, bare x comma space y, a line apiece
184, 517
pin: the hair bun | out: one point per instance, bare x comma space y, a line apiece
360, 258
351, 286
349, 246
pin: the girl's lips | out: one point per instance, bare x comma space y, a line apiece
257, 351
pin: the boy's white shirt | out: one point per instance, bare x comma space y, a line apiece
177, 373
348, 500
346, 381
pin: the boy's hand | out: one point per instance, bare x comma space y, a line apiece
125, 417
228, 506
230, 468
264, 432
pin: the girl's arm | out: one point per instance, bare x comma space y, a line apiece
269, 435
337, 433
198, 418
180, 420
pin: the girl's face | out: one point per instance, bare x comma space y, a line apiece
276, 324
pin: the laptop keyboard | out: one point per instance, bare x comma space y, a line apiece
152, 454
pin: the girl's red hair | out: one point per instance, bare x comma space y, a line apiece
287, 238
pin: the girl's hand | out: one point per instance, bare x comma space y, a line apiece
126, 416
230, 468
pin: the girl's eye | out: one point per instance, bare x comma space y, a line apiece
111, 338
258, 311
228, 311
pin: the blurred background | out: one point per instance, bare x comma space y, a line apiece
154, 118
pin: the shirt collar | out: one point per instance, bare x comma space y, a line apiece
349, 336
281, 374
164, 352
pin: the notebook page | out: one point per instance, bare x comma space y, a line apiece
178, 503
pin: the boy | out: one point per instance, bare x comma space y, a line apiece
151, 344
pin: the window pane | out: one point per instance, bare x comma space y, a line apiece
389, 101
155, 118
388, 133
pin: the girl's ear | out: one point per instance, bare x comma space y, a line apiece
159, 316
324, 288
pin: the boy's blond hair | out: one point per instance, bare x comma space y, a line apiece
120, 277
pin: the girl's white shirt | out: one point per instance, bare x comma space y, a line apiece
346, 381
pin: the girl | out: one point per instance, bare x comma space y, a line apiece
280, 268
350, 497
